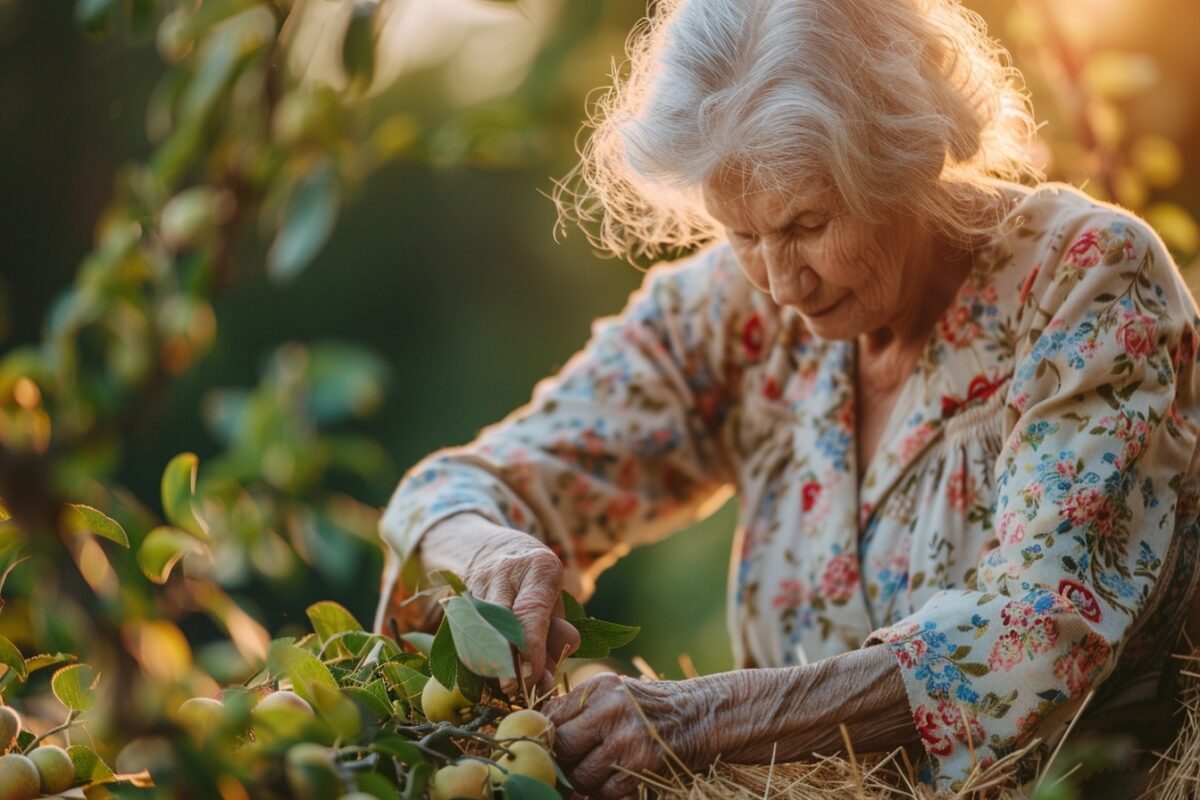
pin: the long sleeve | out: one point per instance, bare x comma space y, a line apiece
1094, 484
620, 447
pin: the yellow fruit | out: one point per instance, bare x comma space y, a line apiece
529, 759
10, 726
441, 704
55, 767
283, 699
310, 771
19, 779
465, 779
527, 724
201, 716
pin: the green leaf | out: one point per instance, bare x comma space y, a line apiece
161, 550
370, 700
404, 680
335, 708
482, 648
974, 668
311, 213
75, 686
502, 619
43, 660
422, 641
523, 787
79, 518
11, 657
572, 610
375, 785
301, 667
358, 45
443, 661
397, 747
178, 486
89, 767
453, 581
329, 618
597, 637
11, 544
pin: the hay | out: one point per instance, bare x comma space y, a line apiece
1175, 774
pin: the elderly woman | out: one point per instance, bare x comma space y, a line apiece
960, 414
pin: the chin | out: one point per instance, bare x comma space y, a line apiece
833, 327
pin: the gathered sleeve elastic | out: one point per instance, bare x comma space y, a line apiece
1102, 410
620, 447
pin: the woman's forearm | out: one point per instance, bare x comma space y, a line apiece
790, 713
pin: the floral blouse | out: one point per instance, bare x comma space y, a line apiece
1028, 510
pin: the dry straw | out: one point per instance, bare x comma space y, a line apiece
1175, 775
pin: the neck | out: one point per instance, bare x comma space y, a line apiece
937, 273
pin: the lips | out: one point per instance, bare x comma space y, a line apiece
824, 311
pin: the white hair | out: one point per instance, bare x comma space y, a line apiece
902, 105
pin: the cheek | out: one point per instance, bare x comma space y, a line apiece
859, 261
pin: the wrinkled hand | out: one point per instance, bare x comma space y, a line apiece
513, 569
599, 727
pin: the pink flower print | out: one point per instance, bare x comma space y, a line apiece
911, 653
1137, 334
621, 506
1090, 507
912, 444
771, 389
1085, 251
933, 733
1081, 599
1042, 635
753, 336
958, 327
964, 726
839, 582
960, 490
1078, 666
792, 593
627, 473
1011, 529
808, 495
1007, 652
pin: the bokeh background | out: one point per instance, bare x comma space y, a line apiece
445, 262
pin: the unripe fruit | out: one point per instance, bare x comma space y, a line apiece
19, 779
55, 767
310, 771
527, 724
465, 779
441, 704
529, 759
10, 726
201, 715
283, 699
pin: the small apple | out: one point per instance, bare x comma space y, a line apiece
55, 767
283, 699
10, 726
529, 759
527, 724
441, 704
201, 716
19, 779
464, 779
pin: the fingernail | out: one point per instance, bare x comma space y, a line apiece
526, 670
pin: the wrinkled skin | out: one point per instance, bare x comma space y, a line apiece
749, 716
510, 568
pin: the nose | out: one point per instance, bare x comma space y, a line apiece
792, 283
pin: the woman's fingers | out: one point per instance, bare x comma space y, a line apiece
533, 605
561, 641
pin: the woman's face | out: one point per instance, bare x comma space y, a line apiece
846, 276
